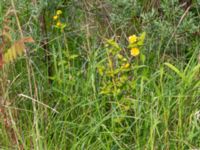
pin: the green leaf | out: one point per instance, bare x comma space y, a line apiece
113, 44
176, 70
73, 56
143, 58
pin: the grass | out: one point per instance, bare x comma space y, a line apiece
158, 105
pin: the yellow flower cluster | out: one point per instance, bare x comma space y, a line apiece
135, 42
58, 13
116, 66
58, 23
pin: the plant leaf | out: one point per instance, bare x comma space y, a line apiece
176, 70
17, 49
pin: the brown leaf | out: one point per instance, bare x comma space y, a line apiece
1, 60
17, 49
27, 40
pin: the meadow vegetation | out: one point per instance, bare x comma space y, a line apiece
100, 74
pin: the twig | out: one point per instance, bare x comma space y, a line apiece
173, 34
47, 106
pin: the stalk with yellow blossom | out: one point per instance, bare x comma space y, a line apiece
58, 23
135, 42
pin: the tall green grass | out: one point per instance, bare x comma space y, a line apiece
70, 112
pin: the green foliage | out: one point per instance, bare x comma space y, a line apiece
116, 66
123, 11
178, 33
117, 92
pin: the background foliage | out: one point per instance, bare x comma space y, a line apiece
53, 96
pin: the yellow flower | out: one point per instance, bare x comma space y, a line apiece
127, 65
58, 24
132, 39
55, 17
135, 51
58, 12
